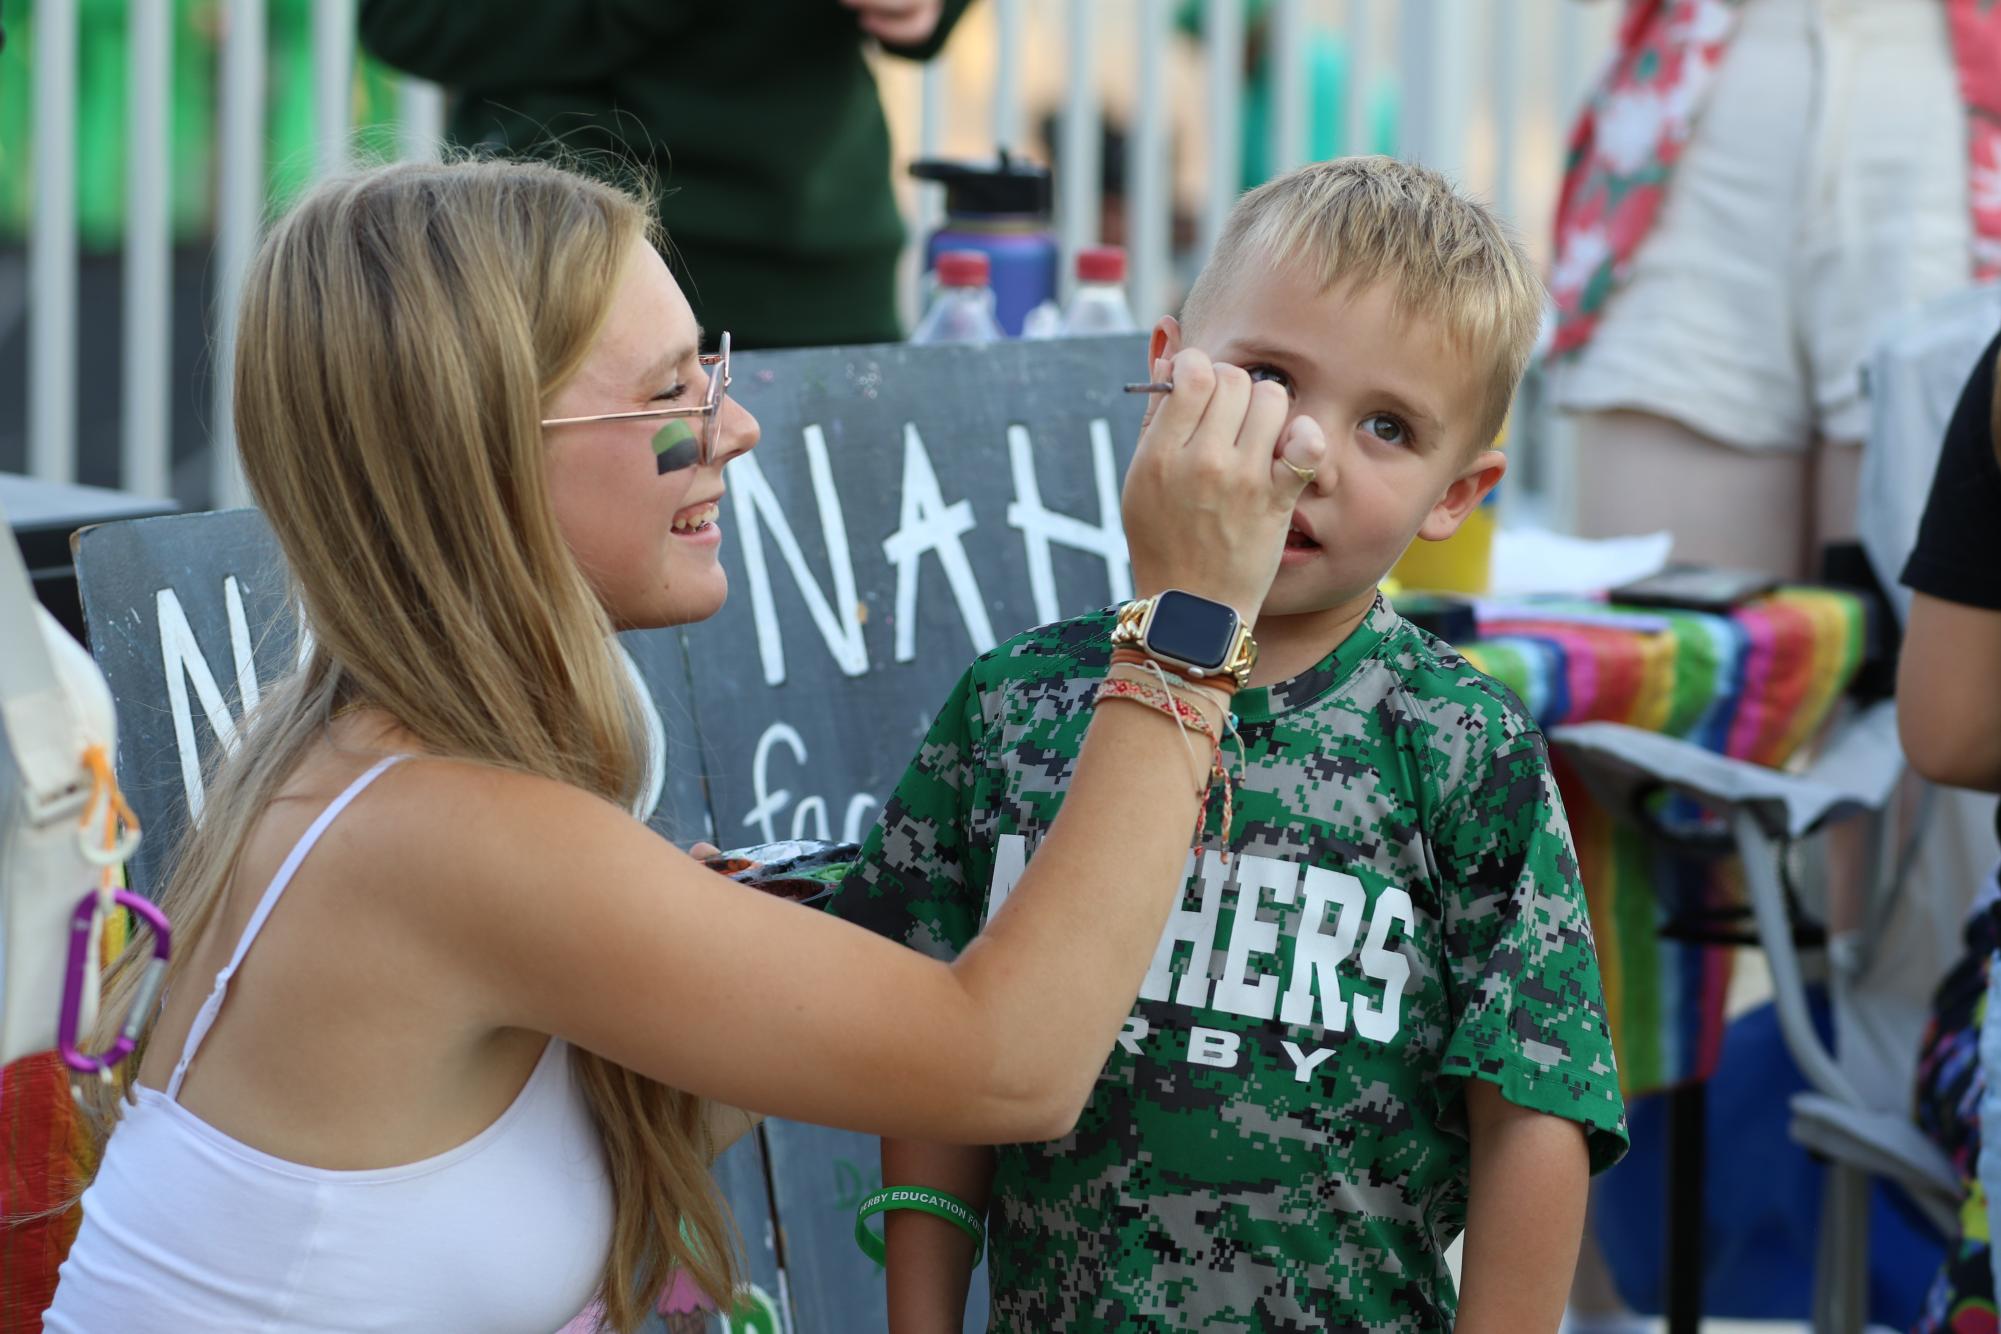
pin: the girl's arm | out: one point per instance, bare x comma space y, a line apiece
1949, 693
1524, 1215
551, 911
562, 914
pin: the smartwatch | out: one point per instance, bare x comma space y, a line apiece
1192, 634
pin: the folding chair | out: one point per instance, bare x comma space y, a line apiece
1857, 1115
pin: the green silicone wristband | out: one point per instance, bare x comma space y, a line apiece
934, 1202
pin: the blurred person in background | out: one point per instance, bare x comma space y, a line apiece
1949, 716
1756, 187
759, 122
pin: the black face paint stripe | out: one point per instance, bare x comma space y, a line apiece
675, 448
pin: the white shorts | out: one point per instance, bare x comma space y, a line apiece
1822, 192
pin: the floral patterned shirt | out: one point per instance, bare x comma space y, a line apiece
1637, 123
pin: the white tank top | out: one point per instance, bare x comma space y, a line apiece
187, 1229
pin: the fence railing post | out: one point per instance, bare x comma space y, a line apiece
1361, 30
1223, 38
1150, 200
930, 138
1286, 56
52, 280
1435, 40
1079, 192
145, 431
239, 219
1007, 75
333, 82
420, 112
1574, 69
1506, 96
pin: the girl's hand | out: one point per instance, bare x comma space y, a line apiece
1212, 488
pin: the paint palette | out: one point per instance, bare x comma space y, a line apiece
803, 870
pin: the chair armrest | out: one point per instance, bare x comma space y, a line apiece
1882, 1145
1857, 772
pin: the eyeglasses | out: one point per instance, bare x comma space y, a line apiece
673, 451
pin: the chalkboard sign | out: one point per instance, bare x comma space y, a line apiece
908, 508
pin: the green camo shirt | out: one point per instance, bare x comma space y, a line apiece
1278, 1140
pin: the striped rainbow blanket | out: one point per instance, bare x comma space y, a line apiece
1755, 685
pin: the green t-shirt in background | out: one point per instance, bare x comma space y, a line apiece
759, 119
1278, 1140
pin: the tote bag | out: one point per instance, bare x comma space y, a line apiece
54, 708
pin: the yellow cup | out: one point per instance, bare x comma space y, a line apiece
1461, 563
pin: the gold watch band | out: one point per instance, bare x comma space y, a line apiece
1129, 631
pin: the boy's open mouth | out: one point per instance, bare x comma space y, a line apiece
1295, 540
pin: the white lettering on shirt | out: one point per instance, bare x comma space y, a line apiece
1250, 934
1213, 1046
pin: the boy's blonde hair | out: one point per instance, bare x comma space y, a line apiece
1357, 221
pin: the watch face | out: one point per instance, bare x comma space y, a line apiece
1191, 629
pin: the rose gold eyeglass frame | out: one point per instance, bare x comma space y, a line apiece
711, 411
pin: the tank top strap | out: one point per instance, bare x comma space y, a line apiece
212, 1006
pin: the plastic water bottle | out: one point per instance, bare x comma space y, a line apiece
1002, 210
962, 308
1045, 321
1098, 306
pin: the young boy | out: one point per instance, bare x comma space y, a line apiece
1375, 1019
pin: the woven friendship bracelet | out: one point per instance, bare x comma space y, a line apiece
1214, 704
1192, 719
1163, 701
925, 1201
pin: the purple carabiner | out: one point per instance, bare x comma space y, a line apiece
79, 957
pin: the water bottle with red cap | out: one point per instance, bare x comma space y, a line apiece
1099, 306
962, 306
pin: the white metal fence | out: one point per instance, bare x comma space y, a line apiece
1483, 88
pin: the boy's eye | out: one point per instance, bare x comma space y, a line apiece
1272, 373
669, 395
1387, 428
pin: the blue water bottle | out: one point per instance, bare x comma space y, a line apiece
1001, 209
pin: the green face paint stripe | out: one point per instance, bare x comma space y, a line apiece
675, 447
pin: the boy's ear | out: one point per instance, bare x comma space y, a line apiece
1461, 498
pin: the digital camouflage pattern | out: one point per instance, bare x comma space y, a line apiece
1277, 1142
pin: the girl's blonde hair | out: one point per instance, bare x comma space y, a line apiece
401, 331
